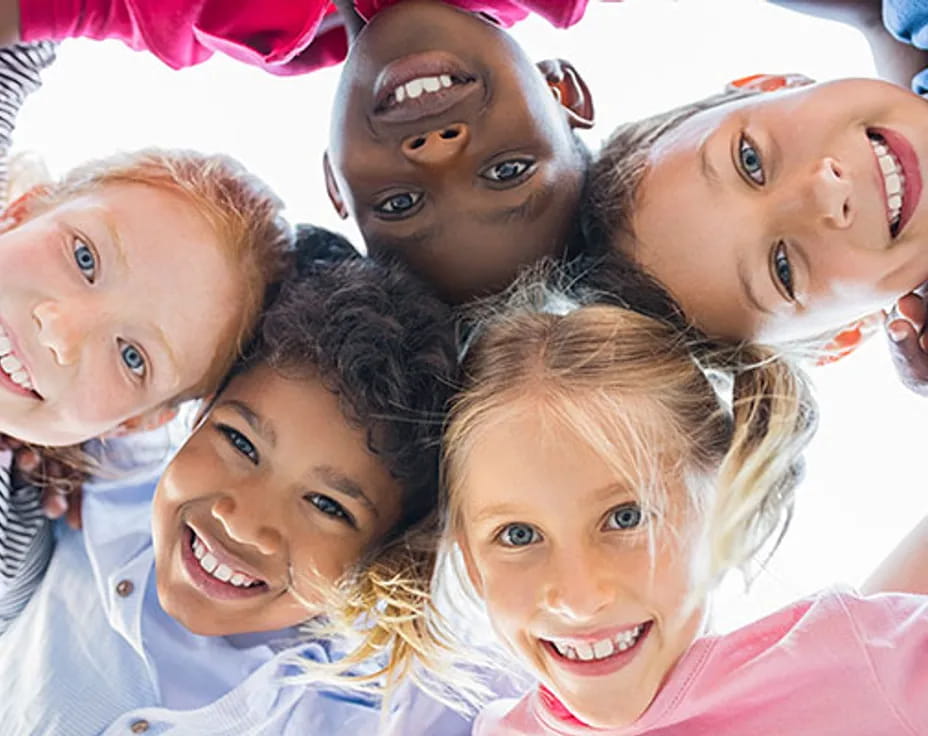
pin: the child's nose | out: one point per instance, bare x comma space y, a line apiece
831, 195
578, 588
62, 330
437, 147
245, 526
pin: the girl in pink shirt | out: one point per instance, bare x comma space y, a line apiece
603, 471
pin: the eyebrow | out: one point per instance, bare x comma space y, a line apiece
169, 352
527, 209
709, 172
259, 424
111, 229
340, 482
418, 238
748, 290
601, 495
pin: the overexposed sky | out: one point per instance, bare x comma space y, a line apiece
864, 487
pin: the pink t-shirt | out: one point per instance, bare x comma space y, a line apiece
281, 36
833, 665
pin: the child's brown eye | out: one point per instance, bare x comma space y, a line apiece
397, 205
508, 170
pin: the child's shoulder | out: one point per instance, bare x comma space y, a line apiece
835, 619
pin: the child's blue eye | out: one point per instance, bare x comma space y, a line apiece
509, 170
518, 535
397, 205
783, 270
751, 163
626, 516
132, 358
329, 507
85, 259
239, 441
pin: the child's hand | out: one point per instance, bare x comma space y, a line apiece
908, 340
61, 484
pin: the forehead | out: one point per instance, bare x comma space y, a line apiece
545, 458
305, 422
162, 269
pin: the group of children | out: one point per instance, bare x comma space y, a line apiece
585, 451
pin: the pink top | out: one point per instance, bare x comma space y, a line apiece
833, 665
281, 36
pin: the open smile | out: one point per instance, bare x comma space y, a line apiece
15, 374
216, 572
602, 655
422, 85
899, 173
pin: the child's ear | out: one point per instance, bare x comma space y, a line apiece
570, 90
331, 186
473, 573
152, 419
21, 208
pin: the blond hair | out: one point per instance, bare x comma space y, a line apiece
241, 210
590, 367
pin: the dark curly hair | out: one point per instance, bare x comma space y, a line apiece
377, 338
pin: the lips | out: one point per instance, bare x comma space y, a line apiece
203, 558
624, 645
426, 100
905, 155
15, 372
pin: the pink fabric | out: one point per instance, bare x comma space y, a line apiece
833, 665
281, 36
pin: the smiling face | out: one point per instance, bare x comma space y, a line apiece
450, 150
98, 322
560, 550
784, 215
273, 496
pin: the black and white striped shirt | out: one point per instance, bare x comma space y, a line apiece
25, 534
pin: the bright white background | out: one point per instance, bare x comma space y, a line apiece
864, 488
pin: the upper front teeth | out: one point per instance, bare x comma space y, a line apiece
12, 365
893, 178
588, 651
417, 86
218, 570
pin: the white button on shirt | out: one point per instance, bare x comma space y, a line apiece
94, 653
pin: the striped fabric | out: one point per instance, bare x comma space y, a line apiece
25, 543
20, 67
25, 533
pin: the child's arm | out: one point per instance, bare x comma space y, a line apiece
349, 15
895, 61
21, 66
906, 568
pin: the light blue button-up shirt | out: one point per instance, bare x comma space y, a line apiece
94, 652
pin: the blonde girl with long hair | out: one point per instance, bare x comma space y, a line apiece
604, 470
